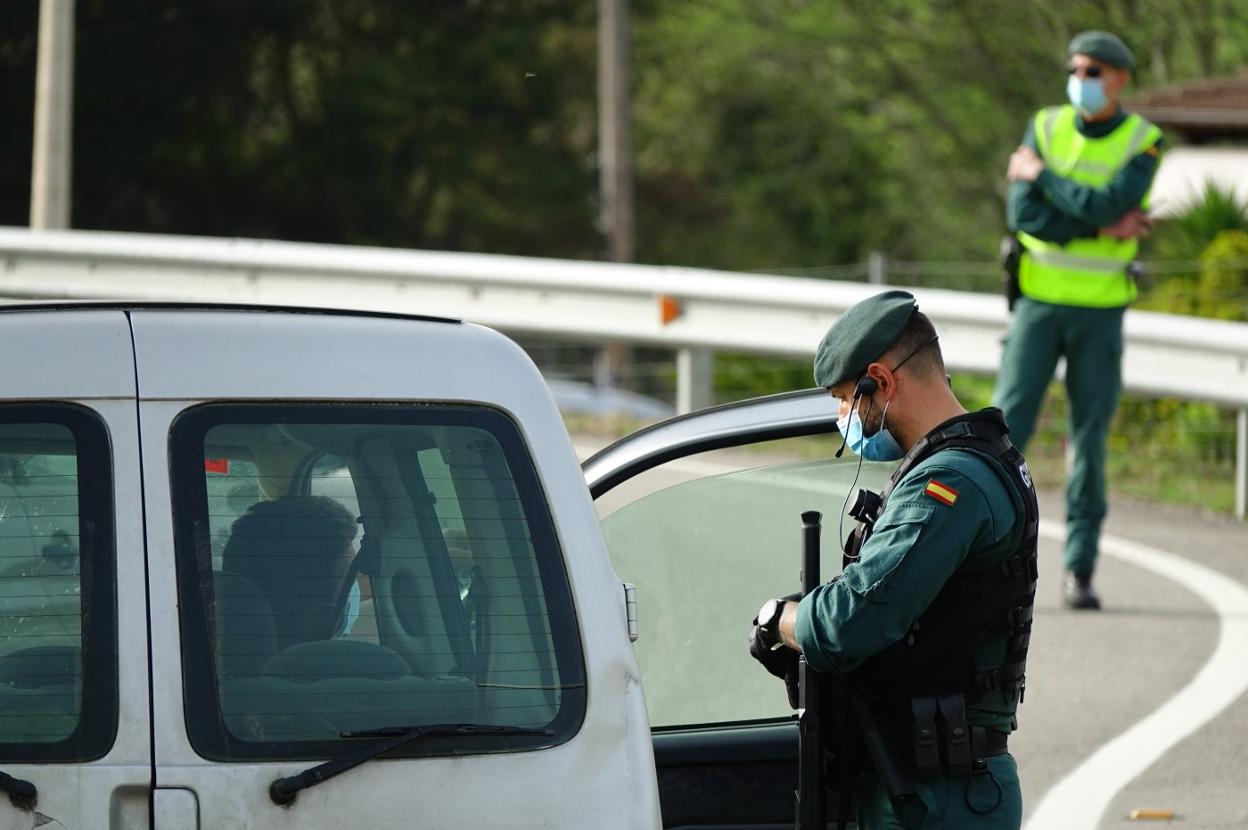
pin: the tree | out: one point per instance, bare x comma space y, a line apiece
437, 125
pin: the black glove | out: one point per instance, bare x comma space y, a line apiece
766, 648
778, 660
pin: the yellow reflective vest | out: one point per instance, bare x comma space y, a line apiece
1088, 272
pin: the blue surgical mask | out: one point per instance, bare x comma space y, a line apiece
1087, 95
352, 612
879, 447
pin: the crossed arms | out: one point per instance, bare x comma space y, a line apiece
1058, 209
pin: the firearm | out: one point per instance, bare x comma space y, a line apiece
835, 717
1011, 253
811, 799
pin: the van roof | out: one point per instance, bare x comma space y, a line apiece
115, 305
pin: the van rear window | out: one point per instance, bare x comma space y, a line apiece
352, 568
58, 653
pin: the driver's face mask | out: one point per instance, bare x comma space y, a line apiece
351, 612
878, 447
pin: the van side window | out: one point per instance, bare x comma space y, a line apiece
371, 567
58, 675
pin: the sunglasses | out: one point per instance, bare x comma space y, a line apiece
1088, 71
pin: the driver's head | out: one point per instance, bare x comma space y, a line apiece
298, 551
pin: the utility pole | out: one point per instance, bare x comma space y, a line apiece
615, 143
615, 159
54, 116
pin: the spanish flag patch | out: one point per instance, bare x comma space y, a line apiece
941, 492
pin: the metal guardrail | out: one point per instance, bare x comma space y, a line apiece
694, 311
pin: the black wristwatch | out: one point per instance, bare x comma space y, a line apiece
769, 620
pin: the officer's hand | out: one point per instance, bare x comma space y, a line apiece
777, 659
1025, 165
1134, 224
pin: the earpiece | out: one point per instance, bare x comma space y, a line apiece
866, 386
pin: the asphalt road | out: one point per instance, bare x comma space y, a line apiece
1143, 705
1094, 676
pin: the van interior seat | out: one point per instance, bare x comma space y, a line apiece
276, 708
40, 666
245, 630
328, 659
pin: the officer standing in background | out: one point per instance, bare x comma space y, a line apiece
1077, 202
931, 615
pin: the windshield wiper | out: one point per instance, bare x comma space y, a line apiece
21, 792
284, 790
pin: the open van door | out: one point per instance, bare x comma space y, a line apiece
75, 737
701, 514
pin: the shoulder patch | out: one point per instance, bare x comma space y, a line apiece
943, 493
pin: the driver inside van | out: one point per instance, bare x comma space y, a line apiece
297, 551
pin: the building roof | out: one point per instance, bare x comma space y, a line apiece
1204, 110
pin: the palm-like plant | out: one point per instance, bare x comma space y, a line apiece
1184, 238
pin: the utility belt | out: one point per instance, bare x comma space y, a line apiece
932, 739
935, 740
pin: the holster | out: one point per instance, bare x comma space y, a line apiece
1011, 255
889, 764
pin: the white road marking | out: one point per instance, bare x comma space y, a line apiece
1080, 799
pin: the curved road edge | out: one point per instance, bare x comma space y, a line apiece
1078, 801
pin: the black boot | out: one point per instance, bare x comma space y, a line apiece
1077, 592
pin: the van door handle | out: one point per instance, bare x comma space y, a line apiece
174, 808
630, 610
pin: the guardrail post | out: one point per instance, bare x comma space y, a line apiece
1241, 464
695, 375
877, 268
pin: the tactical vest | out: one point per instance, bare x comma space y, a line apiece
1087, 271
973, 607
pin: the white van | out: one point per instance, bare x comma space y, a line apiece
246, 552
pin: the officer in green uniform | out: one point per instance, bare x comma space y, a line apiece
1077, 201
931, 615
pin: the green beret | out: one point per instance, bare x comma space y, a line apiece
861, 335
1103, 46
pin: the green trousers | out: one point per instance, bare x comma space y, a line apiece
991, 799
1091, 341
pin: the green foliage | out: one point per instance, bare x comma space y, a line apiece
18, 26
1219, 291
456, 125
768, 133
740, 376
776, 133
1223, 287
1186, 236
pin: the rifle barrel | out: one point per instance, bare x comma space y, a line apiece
811, 799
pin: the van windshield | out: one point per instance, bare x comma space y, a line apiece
348, 568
